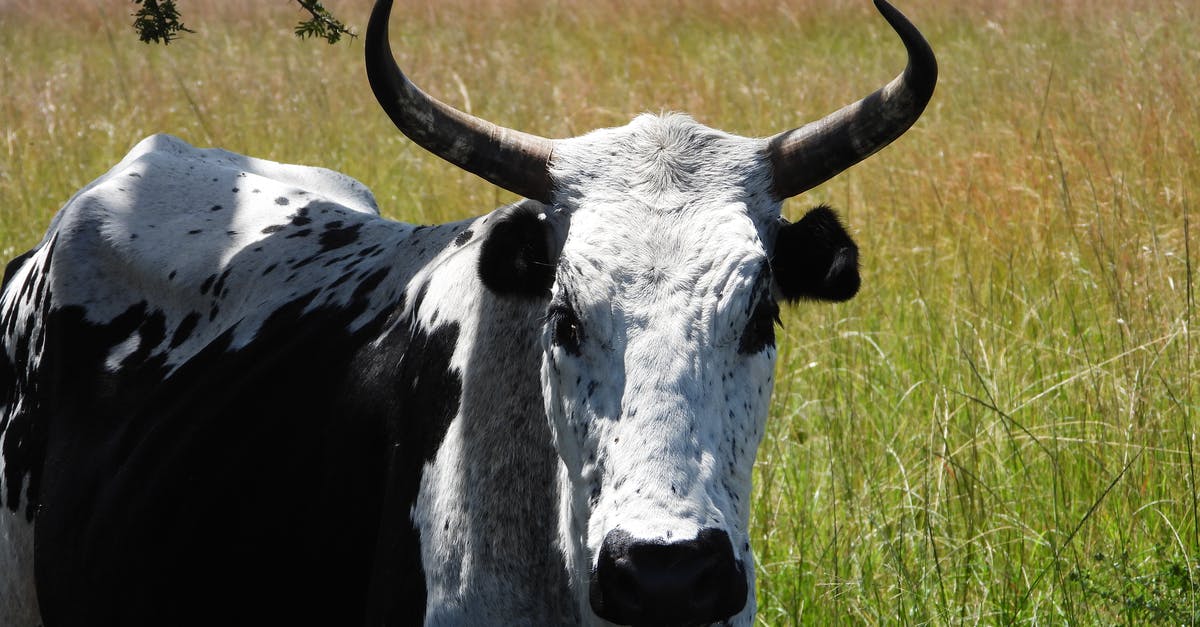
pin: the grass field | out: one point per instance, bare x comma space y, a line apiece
998, 430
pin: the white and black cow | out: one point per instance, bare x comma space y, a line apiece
232, 393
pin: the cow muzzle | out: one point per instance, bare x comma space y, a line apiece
656, 582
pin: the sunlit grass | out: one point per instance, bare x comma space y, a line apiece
999, 429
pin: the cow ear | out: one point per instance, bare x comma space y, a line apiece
815, 258
518, 256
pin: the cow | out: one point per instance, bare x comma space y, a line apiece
232, 393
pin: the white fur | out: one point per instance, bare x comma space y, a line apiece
155, 193
669, 228
18, 597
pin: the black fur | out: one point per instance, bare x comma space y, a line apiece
567, 330
258, 478
760, 331
816, 259
516, 258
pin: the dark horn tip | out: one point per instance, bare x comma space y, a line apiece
805, 157
922, 70
511, 159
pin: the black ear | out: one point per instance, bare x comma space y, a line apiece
815, 258
515, 258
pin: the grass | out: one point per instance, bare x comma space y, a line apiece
998, 430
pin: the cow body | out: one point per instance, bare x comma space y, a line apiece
224, 377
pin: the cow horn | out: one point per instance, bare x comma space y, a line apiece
805, 157
516, 161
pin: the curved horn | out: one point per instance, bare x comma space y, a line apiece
516, 161
805, 157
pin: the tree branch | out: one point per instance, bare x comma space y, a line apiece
322, 24
158, 21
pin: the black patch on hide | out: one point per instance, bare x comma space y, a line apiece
184, 330
566, 330
760, 329
268, 484
15, 265
25, 434
336, 236
388, 387
207, 284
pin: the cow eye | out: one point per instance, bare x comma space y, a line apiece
565, 327
760, 331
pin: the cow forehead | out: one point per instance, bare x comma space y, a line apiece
663, 165
662, 208
667, 265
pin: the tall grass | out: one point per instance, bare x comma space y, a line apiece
1001, 427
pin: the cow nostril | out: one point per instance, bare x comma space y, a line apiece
656, 582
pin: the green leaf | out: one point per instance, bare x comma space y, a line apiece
322, 24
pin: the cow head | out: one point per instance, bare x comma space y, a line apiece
660, 257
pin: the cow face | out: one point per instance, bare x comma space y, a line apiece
662, 261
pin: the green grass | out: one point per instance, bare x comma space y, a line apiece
998, 430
